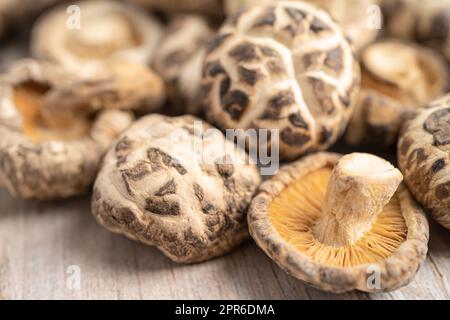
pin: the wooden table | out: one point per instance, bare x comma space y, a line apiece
41, 242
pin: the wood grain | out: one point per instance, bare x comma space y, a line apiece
39, 241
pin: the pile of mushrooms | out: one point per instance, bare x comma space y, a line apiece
134, 106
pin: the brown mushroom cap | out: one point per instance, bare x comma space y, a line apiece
423, 156
155, 188
352, 15
424, 21
397, 79
14, 13
284, 66
180, 58
43, 156
207, 7
334, 247
120, 85
108, 30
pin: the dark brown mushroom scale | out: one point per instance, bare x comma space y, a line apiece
423, 156
266, 70
155, 188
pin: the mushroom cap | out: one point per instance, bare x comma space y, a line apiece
396, 270
120, 85
423, 156
180, 55
109, 30
424, 21
352, 16
211, 8
285, 66
165, 183
397, 78
55, 164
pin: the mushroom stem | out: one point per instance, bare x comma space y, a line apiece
360, 186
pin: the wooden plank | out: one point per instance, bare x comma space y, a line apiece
39, 241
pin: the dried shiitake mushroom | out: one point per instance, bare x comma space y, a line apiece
107, 30
397, 79
352, 15
15, 13
336, 221
425, 21
42, 155
208, 7
120, 85
423, 156
284, 66
177, 184
180, 56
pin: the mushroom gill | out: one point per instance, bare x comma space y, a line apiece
297, 212
38, 126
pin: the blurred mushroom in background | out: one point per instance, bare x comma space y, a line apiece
179, 60
397, 79
423, 21
109, 30
212, 8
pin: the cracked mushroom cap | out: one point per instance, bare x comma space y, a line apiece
177, 184
180, 58
352, 15
397, 79
341, 223
423, 156
45, 156
108, 30
285, 66
424, 21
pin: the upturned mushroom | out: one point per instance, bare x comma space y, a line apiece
100, 31
360, 19
179, 59
398, 78
423, 156
176, 183
120, 85
285, 66
45, 156
424, 21
341, 223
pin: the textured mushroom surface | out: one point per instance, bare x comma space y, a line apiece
42, 155
179, 59
354, 16
425, 21
208, 7
120, 85
397, 79
423, 156
285, 66
13, 12
107, 30
329, 220
176, 184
